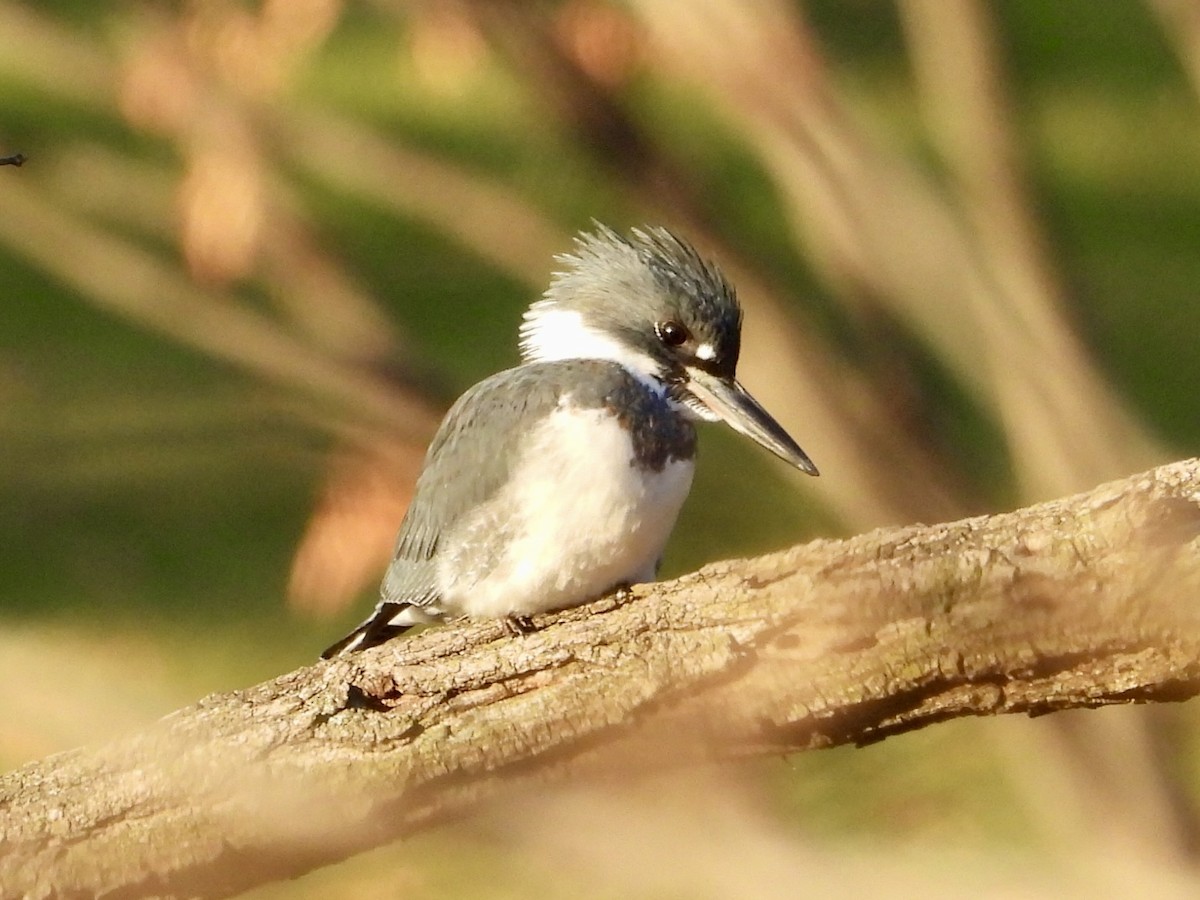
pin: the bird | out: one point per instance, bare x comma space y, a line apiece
558, 481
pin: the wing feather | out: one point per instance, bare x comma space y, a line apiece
467, 463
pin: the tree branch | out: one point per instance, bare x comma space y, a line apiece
1082, 602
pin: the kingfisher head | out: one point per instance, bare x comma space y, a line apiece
651, 303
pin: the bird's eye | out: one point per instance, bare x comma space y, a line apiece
672, 334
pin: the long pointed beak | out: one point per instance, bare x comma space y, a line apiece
729, 400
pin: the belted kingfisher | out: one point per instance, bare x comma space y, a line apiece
555, 482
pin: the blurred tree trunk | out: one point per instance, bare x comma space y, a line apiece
1081, 602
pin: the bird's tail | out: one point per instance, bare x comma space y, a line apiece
386, 622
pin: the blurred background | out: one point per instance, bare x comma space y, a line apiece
258, 247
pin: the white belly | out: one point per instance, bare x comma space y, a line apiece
576, 520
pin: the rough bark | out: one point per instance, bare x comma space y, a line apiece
1081, 602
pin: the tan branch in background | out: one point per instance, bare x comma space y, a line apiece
1082, 602
1181, 26
1066, 427
973, 291
118, 276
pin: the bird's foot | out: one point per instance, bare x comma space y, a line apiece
516, 625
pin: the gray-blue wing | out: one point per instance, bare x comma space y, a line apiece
467, 463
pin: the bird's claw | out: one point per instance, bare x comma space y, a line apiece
517, 625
